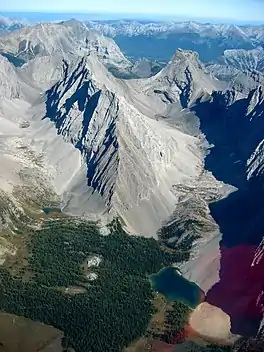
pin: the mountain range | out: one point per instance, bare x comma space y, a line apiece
99, 116
158, 40
179, 149
8, 25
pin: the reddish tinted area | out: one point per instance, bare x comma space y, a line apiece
162, 346
239, 291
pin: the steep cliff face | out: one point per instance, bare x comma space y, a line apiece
232, 123
255, 112
85, 114
242, 80
130, 160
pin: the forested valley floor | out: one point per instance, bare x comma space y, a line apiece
55, 288
99, 307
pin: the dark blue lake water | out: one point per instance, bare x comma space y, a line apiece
171, 284
50, 210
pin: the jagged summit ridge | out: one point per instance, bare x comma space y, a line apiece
129, 160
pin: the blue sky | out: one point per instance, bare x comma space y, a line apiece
238, 10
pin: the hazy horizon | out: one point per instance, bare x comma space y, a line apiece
228, 11
35, 16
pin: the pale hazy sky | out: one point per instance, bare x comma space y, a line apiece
241, 10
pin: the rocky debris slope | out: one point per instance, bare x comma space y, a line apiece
145, 68
21, 169
41, 72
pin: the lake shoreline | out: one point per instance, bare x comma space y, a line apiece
174, 286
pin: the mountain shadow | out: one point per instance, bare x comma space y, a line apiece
239, 291
234, 129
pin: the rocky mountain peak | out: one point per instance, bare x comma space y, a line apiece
189, 55
72, 22
183, 60
85, 113
183, 79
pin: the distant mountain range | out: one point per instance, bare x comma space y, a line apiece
158, 40
8, 25
149, 45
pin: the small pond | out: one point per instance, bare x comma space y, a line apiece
175, 287
51, 210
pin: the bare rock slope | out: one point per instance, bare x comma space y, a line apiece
129, 160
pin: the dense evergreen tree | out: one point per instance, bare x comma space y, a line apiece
115, 308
